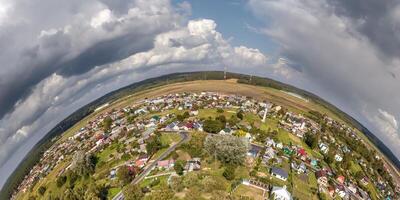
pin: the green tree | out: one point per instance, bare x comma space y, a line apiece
229, 172
107, 122
133, 192
82, 164
195, 145
153, 145
123, 175
220, 110
227, 148
222, 119
311, 140
41, 190
240, 115
213, 126
179, 167
233, 120
61, 181
186, 115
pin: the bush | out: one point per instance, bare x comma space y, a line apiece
179, 167
61, 181
229, 172
123, 175
42, 190
213, 126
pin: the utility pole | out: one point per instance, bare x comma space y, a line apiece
225, 73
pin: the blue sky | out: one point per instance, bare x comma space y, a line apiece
235, 20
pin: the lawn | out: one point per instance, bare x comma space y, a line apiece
169, 138
212, 112
302, 189
248, 192
112, 192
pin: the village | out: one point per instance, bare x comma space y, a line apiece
162, 142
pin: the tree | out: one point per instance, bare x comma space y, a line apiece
179, 167
311, 140
153, 145
222, 119
195, 146
233, 120
82, 164
123, 175
240, 133
133, 192
220, 110
41, 190
229, 172
61, 181
226, 148
240, 115
186, 114
213, 126
107, 122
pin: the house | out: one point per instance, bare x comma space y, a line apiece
279, 173
269, 154
198, 126
331, 191
301, 152
364, 180
193, 165
194, 112
340, 190
270, 142
172, 127
254, 150
341, 179
338, 158
113, 173
226, 131
301, 168
140, 163
324, 148
322, 179
166, 164
280, 193
279, 145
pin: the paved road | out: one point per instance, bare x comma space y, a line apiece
150, 167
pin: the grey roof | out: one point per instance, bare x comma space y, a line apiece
279, 171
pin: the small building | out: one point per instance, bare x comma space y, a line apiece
280, 193
254, 150
324, 148
279, 173
341, 179
338, 158
166, 164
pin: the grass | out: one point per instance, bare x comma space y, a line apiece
112, 192
248, 191
212, 112
301, 189
169, 138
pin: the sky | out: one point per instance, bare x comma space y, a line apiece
58, 55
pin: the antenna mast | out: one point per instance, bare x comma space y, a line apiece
225, 72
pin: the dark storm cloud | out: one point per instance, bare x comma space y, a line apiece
378, 21
77, 37
106, 52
